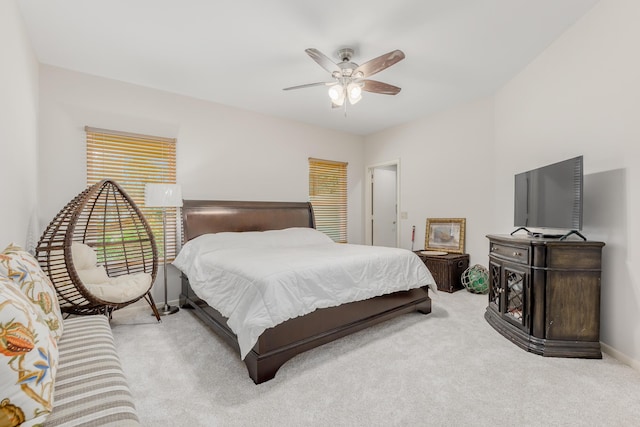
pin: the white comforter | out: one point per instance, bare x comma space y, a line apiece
260, 279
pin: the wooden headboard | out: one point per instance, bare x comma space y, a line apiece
214, 216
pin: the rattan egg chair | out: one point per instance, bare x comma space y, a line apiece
105, 226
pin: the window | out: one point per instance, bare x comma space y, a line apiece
132, 160
328, 196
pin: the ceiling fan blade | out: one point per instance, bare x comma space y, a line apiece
379, 87
378, 64
322, 60
310, 85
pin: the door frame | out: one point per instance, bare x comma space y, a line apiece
368, 214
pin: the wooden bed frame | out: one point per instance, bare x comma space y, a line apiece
282, 342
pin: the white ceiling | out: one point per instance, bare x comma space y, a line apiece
242, 53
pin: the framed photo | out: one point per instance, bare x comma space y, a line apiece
445, 234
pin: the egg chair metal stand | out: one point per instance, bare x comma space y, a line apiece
106, 219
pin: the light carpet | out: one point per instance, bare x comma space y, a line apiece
447, 368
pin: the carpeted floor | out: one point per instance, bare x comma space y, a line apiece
448, 368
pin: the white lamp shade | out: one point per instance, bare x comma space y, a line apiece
355, 92
336, 93
162, 195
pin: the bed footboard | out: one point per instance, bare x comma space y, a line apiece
282, 342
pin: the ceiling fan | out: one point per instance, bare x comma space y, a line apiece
350, 79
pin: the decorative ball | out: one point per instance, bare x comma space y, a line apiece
476, 279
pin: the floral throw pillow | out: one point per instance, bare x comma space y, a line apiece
21, 267
28, 360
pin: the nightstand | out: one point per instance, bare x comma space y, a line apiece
446, 269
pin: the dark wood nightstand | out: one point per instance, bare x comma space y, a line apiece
446, 269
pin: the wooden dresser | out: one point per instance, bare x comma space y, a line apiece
544, 294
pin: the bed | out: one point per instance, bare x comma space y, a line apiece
274, 345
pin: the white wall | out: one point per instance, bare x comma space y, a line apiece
222, 153
446, 171
18, 128
582, 96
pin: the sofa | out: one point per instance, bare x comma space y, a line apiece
54, 371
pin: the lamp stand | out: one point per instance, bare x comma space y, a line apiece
166, 308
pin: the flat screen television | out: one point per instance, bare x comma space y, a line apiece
550, 196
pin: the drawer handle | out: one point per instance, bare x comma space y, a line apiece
517, 254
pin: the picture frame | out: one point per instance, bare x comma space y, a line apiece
445, 234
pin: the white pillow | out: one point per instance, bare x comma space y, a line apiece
261, 239
296, 236
287, 238
84, 256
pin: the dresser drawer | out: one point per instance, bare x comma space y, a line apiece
519, 254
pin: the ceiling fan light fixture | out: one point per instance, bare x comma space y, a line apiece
350, 79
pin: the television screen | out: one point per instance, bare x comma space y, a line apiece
550, 196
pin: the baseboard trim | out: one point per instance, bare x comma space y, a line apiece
635, 364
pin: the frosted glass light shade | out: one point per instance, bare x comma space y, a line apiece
162, 195
355, 92
336, 93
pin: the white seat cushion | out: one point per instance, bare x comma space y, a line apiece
122, 288
93, 275
111, 289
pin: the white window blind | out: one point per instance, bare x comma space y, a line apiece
328, 196
132, 160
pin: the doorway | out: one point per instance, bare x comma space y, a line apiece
383, 206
